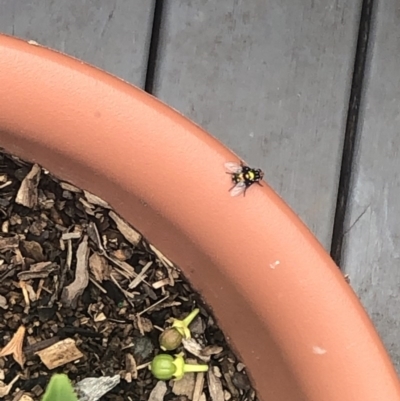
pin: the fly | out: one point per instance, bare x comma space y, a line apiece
243, 177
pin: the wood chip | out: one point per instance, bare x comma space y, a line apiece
103, 290
240, 366
32, 249
37, 390
25, 294
171, 272
39, 267
153, 305
100, 317
20, 395
38, 270
5, 226
217, 371
126, 230
72, 235
18, 259
198, 386
161, 283
27, 194
6, 388
25, 397
69, 187
40, 345
5, 184
7, 243
127, 294
72, 292
141, 276
88, 206
14, 347
228, 371
146, 324
211, 350
60, 353
192, 346
127, 270
215, 387
99, 267
185, 386
95, 200
68, 261
130, 366
158, 392
94, 235
3, 302
166, 262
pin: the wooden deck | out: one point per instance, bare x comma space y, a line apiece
291, 86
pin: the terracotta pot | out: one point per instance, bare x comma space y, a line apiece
281, 301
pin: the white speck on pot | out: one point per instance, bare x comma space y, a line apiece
274, 264
319, 351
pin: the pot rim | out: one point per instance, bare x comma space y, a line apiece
281, 301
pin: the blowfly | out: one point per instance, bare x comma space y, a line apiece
243, 177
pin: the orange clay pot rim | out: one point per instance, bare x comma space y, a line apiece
281, 301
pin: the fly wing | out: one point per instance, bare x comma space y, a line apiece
233, 167
238, 189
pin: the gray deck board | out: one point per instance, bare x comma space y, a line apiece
372, 242
111, 34
271, 79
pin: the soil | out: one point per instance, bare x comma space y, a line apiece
81, 292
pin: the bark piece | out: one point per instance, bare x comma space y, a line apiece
38, 270
198, 386
3, 302
140, 277
60, 353
14, 347
130, 366
26, 397
6, 388
70, 187
32, 249
72, 292
99, 267
211, 350
185, 386
215, 387
27, 194
95, 200
192, 346
158, 392
7, 243
126, 230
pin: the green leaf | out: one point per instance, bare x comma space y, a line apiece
59, 389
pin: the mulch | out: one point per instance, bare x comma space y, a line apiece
81, 292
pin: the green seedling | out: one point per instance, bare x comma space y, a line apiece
166, 367
59, 389
171, 338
